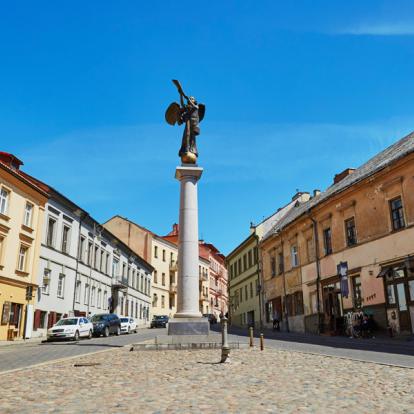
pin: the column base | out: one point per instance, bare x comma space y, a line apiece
188, 326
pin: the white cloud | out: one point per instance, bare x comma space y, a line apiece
379, 29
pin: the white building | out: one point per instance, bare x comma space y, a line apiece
84, 269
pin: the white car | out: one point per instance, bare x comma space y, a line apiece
128, 325
70, 328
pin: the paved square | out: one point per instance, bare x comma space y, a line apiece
192, 382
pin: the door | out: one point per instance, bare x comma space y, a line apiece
404, 312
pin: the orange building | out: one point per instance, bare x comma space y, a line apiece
364, 223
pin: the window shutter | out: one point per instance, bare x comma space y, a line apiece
36, 322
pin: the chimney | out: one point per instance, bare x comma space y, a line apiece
174, 230
316, 192
10, 160
339, 177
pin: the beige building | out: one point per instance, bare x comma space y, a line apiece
22, 204
161, 253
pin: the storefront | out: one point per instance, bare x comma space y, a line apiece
332, 306
399, 293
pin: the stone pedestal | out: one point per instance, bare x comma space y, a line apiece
188, 319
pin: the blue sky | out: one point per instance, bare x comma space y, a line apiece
295, 92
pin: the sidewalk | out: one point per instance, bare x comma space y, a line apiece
38, 340
397, 345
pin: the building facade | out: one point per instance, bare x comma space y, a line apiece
348, 250
84, 269
162, 253
247, 296
22, 204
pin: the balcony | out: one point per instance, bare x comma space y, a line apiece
173, 266
119, 283
203, 297
173, 288
204, 277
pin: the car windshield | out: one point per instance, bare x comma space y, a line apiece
98, 318
69, 321
124, 319
160, 317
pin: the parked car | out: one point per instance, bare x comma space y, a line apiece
70, 328
128, 325
106, 324
159, 321
211, 318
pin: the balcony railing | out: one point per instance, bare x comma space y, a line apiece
173, 265
119, 282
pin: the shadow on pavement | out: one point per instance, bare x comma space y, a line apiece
402, 346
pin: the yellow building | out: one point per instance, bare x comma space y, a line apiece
22, 204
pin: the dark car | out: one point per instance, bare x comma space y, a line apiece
159, 321
211, 318
106, 324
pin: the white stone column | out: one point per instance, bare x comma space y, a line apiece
188, 249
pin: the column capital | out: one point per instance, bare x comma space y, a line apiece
188, 171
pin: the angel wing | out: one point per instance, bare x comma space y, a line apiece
201, 111
172, 113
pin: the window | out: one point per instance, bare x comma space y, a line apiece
350, 231
115, 267
102, 261
241, 295
163, 255
163, 279
257, 287
21, 263
4, 201
78, 291
142, 281
81, 251
1, 247
162, 301
250, 258
65, 239
90, 247
280, 261
28, 212
61, 286
46, 281
251, 289
294, 256
245, 293
105, 300
356, 292
107, 263
255, 255
327, 241
123, 270
50, 234
397, 214
240, 265
244, 262
310, 249
86, 296
273, 266
155, 251
155, 277
93, 296
96, 258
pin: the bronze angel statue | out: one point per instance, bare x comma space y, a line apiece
190, 113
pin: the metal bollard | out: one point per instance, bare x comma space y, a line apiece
261, 342
251, 337
225, 349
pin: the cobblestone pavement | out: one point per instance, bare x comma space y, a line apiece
192, 381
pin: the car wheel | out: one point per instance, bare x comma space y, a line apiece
76, 337
106, 332
90, 335
118, 331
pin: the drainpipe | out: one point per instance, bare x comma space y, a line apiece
318, 270
284, 285
82, 217
259, 275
